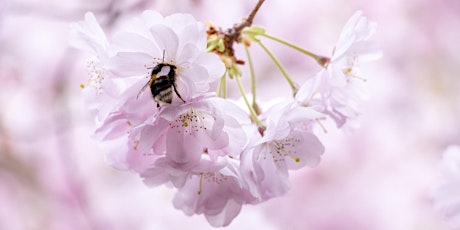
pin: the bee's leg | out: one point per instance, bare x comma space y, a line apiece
177, 93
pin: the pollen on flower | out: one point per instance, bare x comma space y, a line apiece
284, 148
96, 76
189, 122
136, 145
216, 178
348, 71
184, 123
210, 178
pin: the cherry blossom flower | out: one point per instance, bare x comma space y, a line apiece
100, 91
338, 89
196, 146
287, 143
177, 40
119, 71
218, 195
186, 134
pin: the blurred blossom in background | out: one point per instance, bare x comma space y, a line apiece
380, 176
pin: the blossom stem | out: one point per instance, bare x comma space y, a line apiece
280, 67
253, 76
318, 58
222, 87
251, 109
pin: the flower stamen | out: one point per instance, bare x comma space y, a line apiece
190, 122
318, 121
96, 76
200, 184
349, 73
282, 149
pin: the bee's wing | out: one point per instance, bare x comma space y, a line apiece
143, 89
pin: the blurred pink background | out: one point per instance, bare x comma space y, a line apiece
53, 175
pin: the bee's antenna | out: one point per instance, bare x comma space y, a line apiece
164, 50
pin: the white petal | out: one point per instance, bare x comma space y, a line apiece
167, 40
125, 64
132, 42
151, 18
212, 64
89, 36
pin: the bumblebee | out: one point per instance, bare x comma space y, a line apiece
162, 83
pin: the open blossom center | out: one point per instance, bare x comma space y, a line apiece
191, 122
282, 149
350, 72
210, 178
96, 76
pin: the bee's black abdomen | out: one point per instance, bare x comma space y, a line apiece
161, 90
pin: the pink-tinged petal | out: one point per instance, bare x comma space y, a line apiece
179, 21
336, 77
226, 216
365, 51
114, 126
178, 174
209, 165
127, 64
251, 171
116, 152
89, 36
226, 107
305, 94
183, 148
186, 198
193, 34
151, 136
213, 194
151, 18
216, 131
237, 137
272, 177
300, 114
154, 177
303, 148
137, 159
212, 64
136, 43
195, 77
188, 53
274, 131
347, 36
138, 106
167, 40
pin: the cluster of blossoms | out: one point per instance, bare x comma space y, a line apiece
216, 154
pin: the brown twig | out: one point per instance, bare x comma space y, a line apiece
232, 35
248, 22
